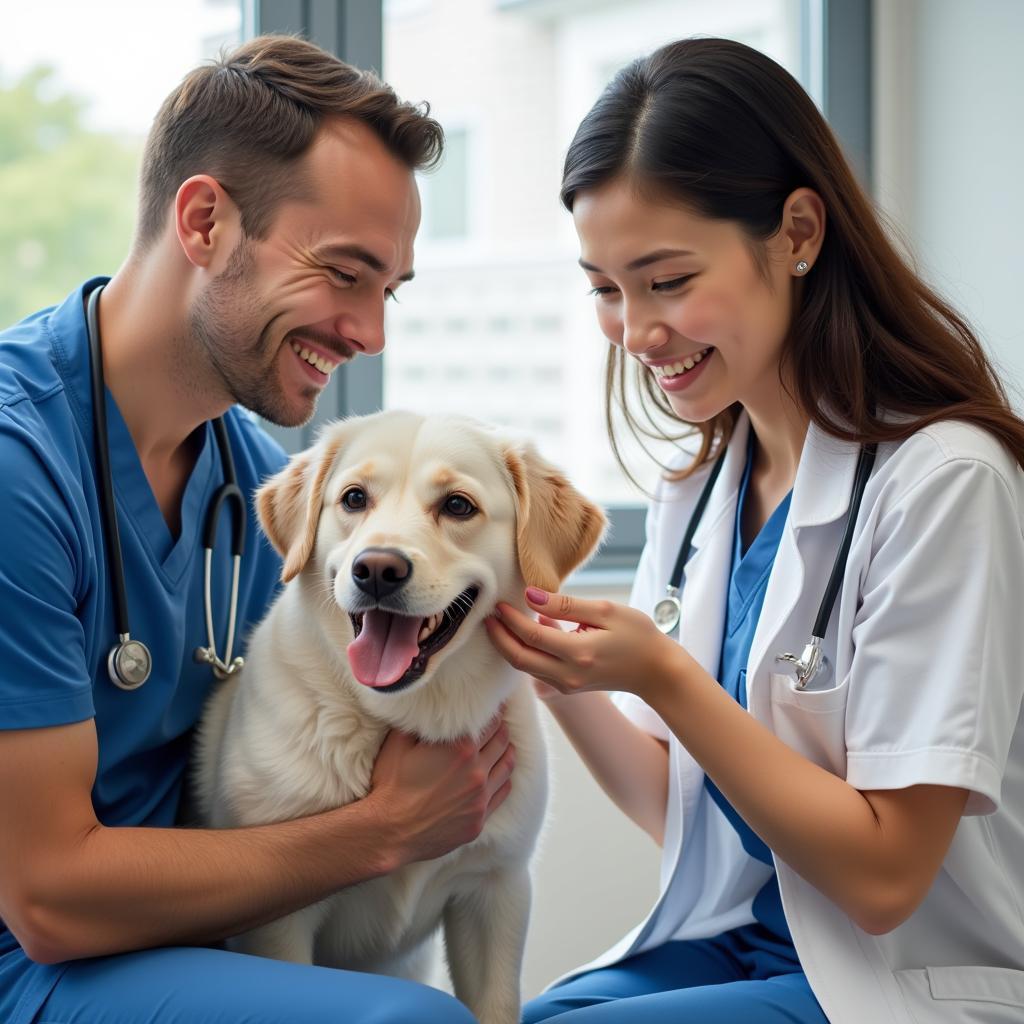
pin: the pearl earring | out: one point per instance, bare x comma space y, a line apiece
801, 266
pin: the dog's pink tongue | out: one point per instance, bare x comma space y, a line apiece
384, 648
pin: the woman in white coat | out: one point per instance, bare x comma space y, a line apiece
844, 847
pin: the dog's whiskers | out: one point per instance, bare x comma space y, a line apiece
323, 591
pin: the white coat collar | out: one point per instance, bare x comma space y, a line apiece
824, 479
821, 491
706, 574
726, 490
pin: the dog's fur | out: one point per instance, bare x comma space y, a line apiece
295, 733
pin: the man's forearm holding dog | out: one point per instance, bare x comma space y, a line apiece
90, 890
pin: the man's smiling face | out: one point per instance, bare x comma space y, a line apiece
290, 308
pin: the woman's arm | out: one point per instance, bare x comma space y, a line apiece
630, 765
934, 699
874, 853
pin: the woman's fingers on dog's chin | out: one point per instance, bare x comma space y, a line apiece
518, 651
500, 633
505, 615
512, 645
573, 609
535, 639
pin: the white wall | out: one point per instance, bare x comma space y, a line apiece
949, 163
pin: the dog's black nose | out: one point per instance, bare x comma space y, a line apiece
381, 571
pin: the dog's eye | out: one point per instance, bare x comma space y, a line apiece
459, 506
354, 499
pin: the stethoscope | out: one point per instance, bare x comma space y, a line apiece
667, 611
129, 662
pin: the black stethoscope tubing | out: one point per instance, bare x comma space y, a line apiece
667, 610
129, 662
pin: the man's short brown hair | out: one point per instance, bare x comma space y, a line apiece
247, 118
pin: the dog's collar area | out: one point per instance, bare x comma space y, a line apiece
451, 619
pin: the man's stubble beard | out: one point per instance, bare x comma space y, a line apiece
230, 309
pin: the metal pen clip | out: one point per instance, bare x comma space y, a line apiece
809, 664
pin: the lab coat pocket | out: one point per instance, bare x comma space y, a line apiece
812, 722
966, 995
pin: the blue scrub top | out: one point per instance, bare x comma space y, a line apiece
56, 612
747, 586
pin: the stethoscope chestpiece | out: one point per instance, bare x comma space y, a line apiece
667, 611
129, 663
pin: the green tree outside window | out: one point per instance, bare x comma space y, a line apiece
67, 195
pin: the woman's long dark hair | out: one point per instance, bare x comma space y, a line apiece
727, 132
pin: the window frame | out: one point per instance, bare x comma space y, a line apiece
354, 31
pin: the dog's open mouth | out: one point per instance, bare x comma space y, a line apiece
390, 651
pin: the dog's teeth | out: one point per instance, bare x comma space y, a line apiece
429, 626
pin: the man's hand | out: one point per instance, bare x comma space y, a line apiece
434, 797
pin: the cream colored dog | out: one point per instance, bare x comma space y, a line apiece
399, 534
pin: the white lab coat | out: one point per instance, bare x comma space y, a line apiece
924, 685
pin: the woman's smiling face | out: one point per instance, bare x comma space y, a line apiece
682, 292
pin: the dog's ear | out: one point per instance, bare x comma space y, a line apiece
289, 503
557, 528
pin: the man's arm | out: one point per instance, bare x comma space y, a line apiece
71, 887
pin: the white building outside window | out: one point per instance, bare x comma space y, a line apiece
498, 323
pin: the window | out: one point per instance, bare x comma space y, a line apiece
446, 191
501, 326
498, 323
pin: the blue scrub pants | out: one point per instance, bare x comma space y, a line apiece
741, 976
212, 986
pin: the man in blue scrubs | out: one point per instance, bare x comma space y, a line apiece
277, 213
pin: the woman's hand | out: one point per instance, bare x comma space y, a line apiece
613, 647
545, 691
